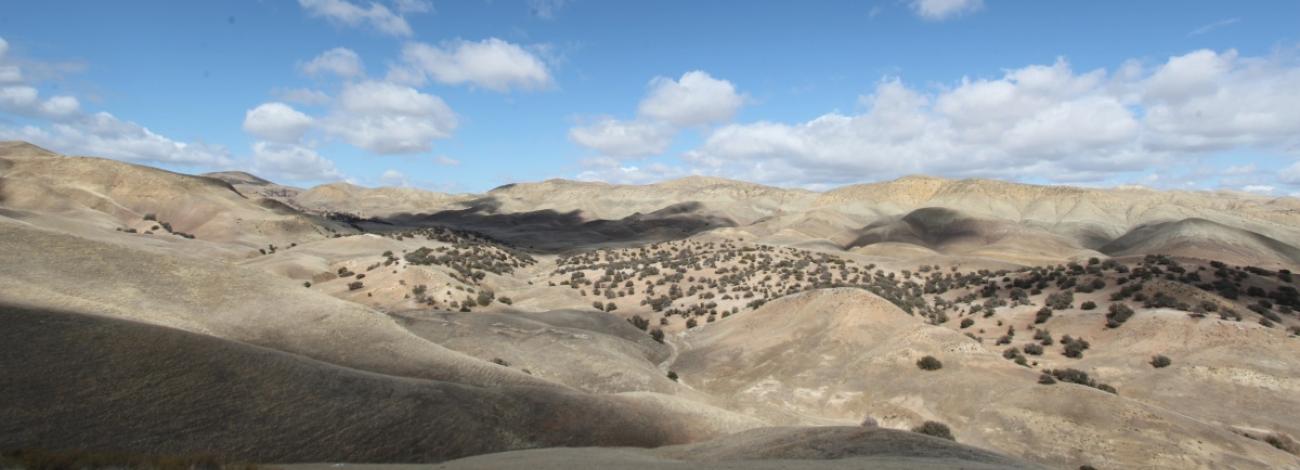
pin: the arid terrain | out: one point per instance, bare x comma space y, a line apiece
698, 322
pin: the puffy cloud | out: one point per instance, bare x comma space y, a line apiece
276, 122
26, 101
491, 63
292, 163
695, 99
387, 118
939, 10
1040, 121
340, 61
1206, 101
344, 12
616, 138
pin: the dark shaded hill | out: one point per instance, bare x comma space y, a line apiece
73, 381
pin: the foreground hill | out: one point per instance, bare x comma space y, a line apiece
771, 448
114, 385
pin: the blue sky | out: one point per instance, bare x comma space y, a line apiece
464, 96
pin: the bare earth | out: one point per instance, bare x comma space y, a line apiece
692, 323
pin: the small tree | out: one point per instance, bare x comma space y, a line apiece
1160, 361
657, 335
929, 363
936, 429
672, 375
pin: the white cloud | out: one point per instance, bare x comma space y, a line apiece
491, 63
616, 138
277, 122
1042, 121
344, 12
393, 178
695, 99
939, 10
1207, 101
26, 101
446, 161
4, 47
340, 61
387, 118
1258, 188
292, 163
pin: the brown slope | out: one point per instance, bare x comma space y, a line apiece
92, 383
844, 354
1200, 238
107, 194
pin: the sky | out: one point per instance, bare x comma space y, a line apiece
467, 95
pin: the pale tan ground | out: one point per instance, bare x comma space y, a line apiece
797, 352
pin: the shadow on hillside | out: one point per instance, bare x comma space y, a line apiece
549, 231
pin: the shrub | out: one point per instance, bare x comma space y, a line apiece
1046, 379
1089, 305
1060, 300
639, 322
672, 375
500, 362
929, 363
1033, 349
967, 322
355, 285
307, 284
657, 335
1042, 315
1074, 347
936, 429
1119, 313
1159, 361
